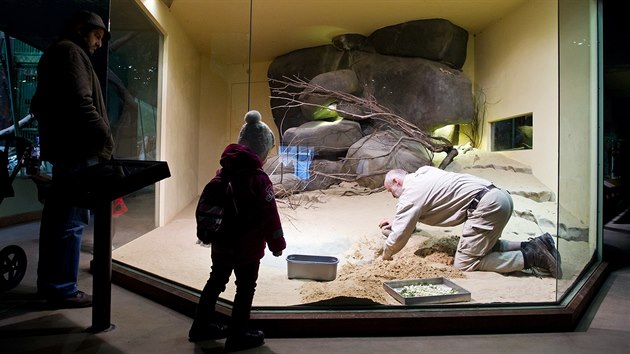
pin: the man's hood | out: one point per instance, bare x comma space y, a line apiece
237, 157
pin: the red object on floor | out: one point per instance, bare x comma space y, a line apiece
119, 207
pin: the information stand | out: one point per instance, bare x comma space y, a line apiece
96, 188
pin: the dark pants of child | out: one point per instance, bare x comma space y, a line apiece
246, 277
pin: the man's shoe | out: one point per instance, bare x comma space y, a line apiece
535, 255
546, 241
78, 300
250, 339
200, 331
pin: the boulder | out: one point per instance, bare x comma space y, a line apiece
374, 155
426, 93
352, 41
339, 81
323, 174
286, 184
434, 39
305, 64
328, 139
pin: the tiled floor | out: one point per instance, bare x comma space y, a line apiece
142, 326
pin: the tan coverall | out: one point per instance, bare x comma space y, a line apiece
439, 198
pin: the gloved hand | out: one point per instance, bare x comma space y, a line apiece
277, 254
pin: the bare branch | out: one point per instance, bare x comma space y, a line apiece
290, 90
296, 93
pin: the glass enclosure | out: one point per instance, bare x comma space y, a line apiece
579, 137
132, 107
361, 94
341, 77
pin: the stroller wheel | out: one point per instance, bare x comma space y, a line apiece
12, 267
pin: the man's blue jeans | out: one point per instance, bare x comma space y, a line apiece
60, 235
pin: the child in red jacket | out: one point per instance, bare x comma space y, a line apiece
257, 226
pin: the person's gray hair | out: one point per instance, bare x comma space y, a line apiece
397, 172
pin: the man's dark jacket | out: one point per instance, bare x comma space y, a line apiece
69, 106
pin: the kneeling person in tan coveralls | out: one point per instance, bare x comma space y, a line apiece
439, 198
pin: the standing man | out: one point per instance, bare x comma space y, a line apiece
439, 198
74, 134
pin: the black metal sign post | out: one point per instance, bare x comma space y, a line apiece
96, 188
102, 268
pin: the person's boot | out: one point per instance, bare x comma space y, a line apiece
536, 255
547, 241
202, 329
244, 340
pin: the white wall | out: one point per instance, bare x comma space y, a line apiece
224, 102
516, 66
179, 109
213, 124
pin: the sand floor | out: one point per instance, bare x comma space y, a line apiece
341, 222
325, 223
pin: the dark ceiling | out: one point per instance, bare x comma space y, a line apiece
38, 22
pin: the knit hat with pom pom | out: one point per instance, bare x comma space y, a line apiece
256, 135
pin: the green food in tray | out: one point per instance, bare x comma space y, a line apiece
426, 289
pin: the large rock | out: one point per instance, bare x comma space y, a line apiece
352, 41
373, 156
303, 63
321, 174
339, 81
326, 138
407, 69
286, 184
426, 93
433, 39
324, 174
416, 80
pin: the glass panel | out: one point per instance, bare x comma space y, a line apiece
327, 62
18, 80
513, 133
316, 85
132, 96
578, 139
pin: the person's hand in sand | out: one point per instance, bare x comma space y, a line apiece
378, 253
386, 227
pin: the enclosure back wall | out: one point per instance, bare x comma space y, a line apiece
516, 72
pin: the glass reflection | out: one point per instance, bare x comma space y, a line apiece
132, 99
578, 136
333, 209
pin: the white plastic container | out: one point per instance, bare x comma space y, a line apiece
302, 266
459, 294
